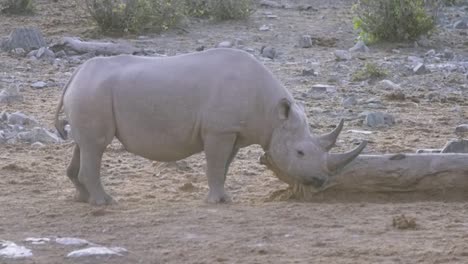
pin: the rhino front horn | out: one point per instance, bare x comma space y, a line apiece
338, 161
327, 141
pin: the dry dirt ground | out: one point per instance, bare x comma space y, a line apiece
161, 217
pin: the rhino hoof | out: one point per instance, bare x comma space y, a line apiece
105, 200
216, 199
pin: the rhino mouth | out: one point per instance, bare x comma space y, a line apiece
316, 182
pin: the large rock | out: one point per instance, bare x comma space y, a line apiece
18, 118
10, 95
25, 38
38, 134
461, 24
305, 41
342, 55
359, 47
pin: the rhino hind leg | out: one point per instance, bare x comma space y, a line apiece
219, 151
89, 175
73, 169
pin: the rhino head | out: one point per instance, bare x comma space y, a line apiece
297, 156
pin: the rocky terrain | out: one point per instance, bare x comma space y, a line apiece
401, 97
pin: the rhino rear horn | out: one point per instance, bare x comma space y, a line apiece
327, 141
338, 161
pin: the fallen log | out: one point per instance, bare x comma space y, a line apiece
98, 48
389, 177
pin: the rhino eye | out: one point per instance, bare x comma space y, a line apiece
300, 153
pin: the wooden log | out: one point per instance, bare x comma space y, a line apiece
98, 48
391, 177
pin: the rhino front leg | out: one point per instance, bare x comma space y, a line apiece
73, 169
219, 151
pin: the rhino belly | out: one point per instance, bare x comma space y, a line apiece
157, 135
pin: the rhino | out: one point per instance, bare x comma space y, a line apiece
169, 108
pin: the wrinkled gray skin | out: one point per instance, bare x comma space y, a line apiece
169, 108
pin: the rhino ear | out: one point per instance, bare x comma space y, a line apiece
284, 108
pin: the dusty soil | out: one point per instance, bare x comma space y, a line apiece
161, 217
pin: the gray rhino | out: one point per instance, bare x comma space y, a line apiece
169, 108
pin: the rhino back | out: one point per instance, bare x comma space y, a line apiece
164, 106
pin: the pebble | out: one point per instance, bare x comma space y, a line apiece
39, 85
225, 44
264, 28
388, 85
322, 88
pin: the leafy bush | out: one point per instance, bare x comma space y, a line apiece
370, 71
135, 16
220, 9
392, 20
16, 6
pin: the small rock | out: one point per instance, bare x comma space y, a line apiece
448, 54
305, 41
60, 54
420, 68
415, 60
456, 146
404, 222
270, 16
349, 102
225, 44
421, 151
44, 52
97, 251
39, 85
38, 134
396, 95
461, 24
388, 85
364, 132
18, 51
430, 53
376, 119
37, 240
322, 88
239, 42
309, 72
18, 118
72, 241
461, 128
264, 28
423, 42
269, 3
268, 52
342, 55
360, 46
10, 250
200, 48
37, 145
10, 95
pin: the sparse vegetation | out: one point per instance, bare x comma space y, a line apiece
16, 6
392, 20
370, 71
135, 16
220, 9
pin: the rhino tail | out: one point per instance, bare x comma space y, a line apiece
61, 123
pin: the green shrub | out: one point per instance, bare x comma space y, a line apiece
135, 16
220, 9
370, 71
392, 20
16, 6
